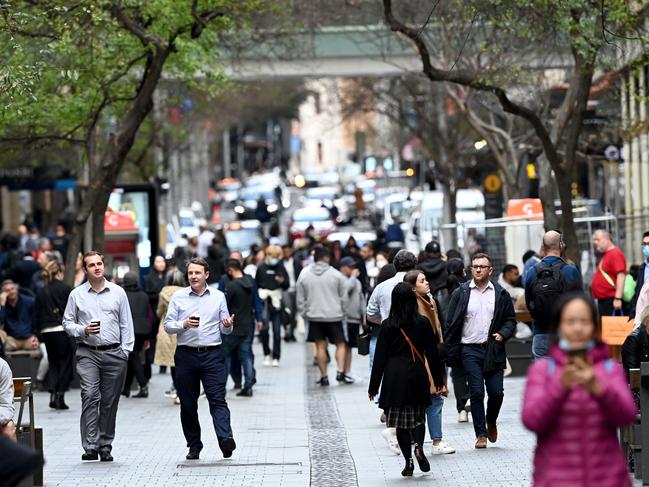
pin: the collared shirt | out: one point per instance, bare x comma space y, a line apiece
211, 306
479, 313
381, 299
109, 306
17, 319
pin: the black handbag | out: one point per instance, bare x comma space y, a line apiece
364, 342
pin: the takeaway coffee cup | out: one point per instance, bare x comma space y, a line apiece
195, 317
96, 323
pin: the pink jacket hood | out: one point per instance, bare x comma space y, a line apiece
577, 443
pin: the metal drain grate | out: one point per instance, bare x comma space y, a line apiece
331, 461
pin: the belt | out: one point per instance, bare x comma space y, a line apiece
478, 345
199, 349
100, 348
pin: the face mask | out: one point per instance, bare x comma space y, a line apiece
273, 261
645, 251
567, 347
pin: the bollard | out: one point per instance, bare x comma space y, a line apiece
644, 420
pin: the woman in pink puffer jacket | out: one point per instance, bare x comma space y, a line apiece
574, 401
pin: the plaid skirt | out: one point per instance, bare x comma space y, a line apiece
407, 417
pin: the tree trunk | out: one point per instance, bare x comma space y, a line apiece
449, 236
105, 172
568, 228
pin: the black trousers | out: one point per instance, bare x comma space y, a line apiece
460, 387
208, 367
135, 367
60, 354
605, 307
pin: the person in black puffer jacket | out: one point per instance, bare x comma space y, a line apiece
142, 314
272, 279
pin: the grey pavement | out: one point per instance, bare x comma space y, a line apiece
291, 433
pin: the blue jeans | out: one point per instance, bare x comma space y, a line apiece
541, 344
274, 317
373, 340
192, 368
473, 362
241, 348
434, 417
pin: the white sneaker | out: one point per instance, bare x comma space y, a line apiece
442, 449
463, 417
267, 360
391, 437
275, 362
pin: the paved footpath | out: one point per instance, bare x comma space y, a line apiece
291, 433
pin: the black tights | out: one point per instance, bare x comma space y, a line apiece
405, 437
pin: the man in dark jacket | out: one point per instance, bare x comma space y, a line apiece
138, 301
434, 268
481, 319
239, 295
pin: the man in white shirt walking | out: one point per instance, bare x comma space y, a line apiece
481, 319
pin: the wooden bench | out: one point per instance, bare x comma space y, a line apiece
26, 431
24, 363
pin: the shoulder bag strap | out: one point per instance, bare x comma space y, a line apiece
608, 278
413, 349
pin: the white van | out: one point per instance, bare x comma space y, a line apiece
470, 208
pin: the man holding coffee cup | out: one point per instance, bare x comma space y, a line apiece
199, 316
99, 318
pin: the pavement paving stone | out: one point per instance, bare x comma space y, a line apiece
292, 433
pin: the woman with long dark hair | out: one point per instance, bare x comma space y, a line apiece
48, 315
406, 343
428, 308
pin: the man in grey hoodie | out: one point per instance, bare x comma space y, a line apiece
320, 293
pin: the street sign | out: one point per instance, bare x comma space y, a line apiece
492, 183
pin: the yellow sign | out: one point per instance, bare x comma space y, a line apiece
531, 171
492, 183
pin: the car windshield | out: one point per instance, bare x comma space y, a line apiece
255, 192
321, 193
311, 215
242, 239
186, 221
229, 186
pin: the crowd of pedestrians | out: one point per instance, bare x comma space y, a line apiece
423, 318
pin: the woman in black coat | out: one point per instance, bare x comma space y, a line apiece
406, 339
48, 314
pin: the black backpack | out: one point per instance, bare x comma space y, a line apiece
546, 289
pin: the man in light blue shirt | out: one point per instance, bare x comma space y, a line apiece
98, 316
199, 315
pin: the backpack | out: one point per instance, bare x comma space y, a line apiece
547, 287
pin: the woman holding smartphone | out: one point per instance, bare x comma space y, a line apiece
575, 400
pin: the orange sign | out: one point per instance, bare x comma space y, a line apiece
615, 329
528, 207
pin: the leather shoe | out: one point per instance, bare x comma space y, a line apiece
227, 446
492, 432
142, 392
193, 454
90, 455
245, 393
105, 456
481, 442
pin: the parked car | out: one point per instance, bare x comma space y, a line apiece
329, 196
317, 216
227, 190
187, 224
242, 235
248, 199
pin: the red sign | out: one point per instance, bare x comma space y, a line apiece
119, 221
119, 247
